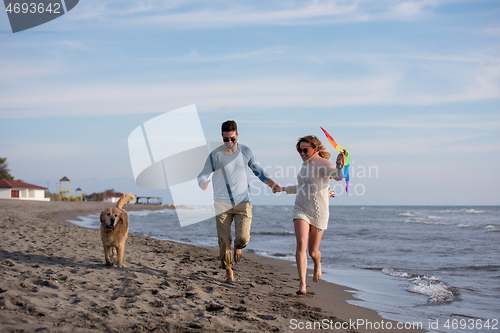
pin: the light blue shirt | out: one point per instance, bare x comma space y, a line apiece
231, 174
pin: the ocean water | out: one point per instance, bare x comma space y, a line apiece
438, 266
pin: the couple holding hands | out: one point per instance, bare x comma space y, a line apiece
229, 164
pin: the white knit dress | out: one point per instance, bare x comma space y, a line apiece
311, 203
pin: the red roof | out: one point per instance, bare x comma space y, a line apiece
114, 195
4, 183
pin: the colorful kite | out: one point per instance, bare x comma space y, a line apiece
345, 161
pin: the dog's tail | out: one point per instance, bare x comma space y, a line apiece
125, 198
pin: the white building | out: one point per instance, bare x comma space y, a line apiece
19, 190
114, 197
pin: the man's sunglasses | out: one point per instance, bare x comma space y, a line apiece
305, 150
233, 139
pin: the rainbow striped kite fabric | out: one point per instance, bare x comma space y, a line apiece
346, 161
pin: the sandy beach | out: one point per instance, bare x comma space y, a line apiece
53, 279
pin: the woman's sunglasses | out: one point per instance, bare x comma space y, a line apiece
233, 139
304, 150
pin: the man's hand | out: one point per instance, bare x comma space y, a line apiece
204, 184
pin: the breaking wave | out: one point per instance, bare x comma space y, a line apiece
437, 291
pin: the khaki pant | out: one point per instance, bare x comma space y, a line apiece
224, 215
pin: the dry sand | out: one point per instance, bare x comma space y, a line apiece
53, 279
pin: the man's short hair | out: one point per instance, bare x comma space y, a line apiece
229, 126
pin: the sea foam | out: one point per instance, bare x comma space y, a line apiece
437, 291
492, 228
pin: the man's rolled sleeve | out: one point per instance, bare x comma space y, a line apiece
258, 171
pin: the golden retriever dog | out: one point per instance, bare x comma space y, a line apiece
114, 230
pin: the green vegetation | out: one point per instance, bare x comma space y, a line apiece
4, 170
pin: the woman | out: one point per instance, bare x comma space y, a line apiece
310, 214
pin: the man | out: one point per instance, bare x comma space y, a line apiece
230, 164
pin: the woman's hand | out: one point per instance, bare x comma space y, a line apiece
277, 188
340, 157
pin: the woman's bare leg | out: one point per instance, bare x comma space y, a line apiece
301, 234
314, 240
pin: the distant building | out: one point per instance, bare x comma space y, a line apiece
19, 190
114, 197
88, 198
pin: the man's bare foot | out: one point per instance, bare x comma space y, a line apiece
229, 275
317, 272
238, 254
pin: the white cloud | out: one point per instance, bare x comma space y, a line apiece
96, 99
382, 88
424, 144
295, 13
402, 120
196, 57
469, 78
75, 45
43, 151
494, 31
18, 71
411, 9
216, 14
427, 122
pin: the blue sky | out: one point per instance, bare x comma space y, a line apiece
412, 88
